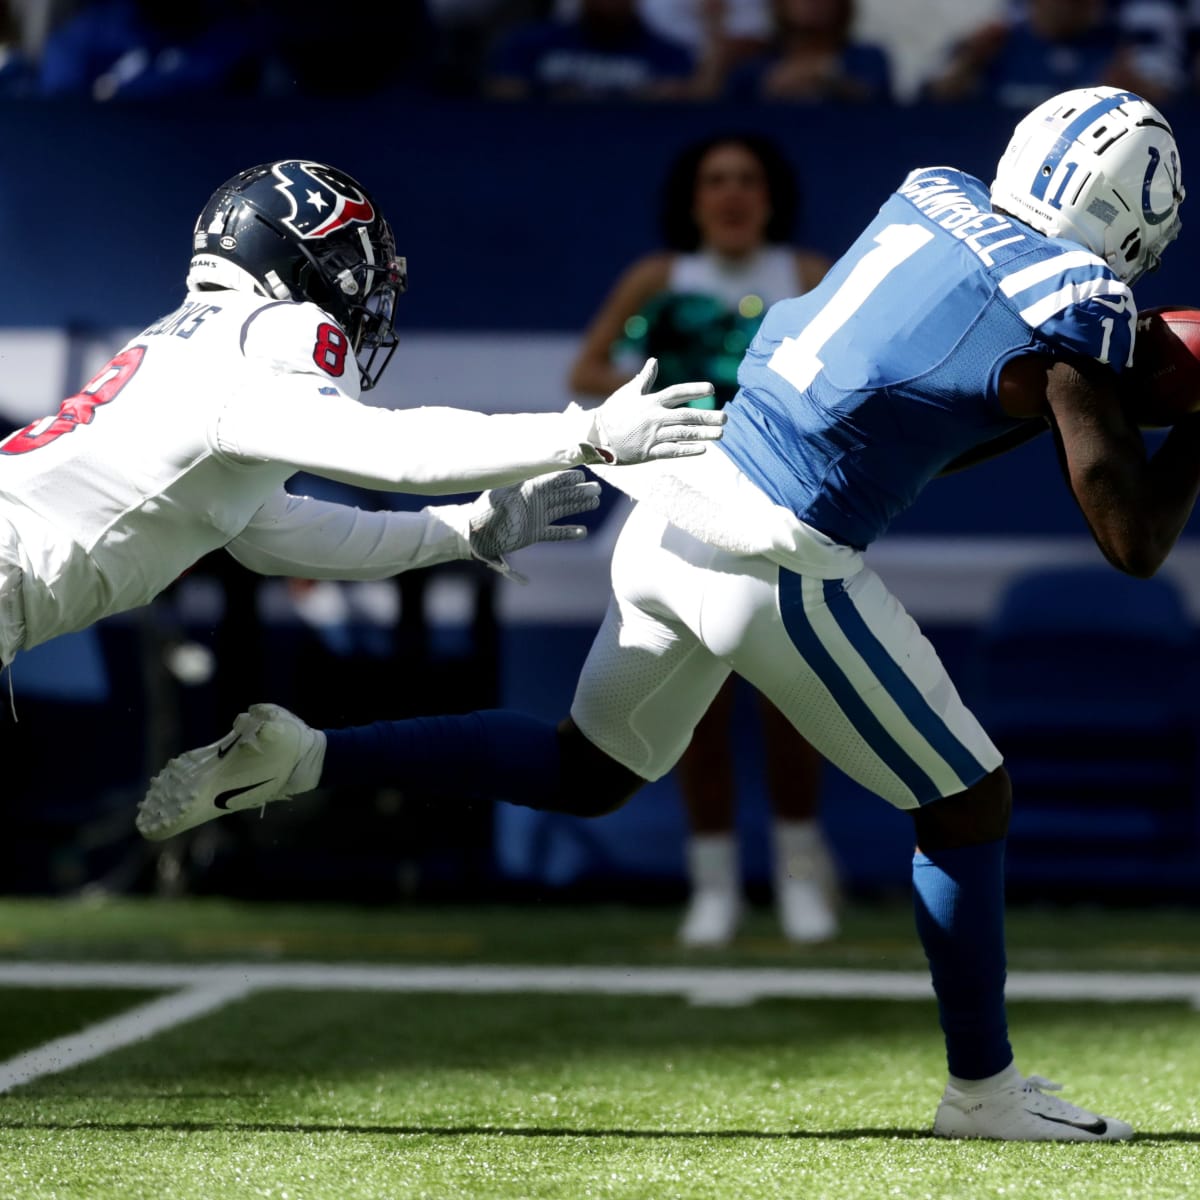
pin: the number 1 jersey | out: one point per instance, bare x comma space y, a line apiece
855, 395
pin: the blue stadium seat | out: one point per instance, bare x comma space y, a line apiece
1085, 682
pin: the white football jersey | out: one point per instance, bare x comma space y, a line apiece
113, 497
182, 443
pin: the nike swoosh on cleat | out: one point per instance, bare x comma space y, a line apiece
224, 750
222, 799
1097, 1127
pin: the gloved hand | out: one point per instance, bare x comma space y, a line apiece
506, 519
635, 424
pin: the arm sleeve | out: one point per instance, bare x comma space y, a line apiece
427, 451
1083, 309
314, 539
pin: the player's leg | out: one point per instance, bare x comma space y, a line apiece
848, 666
645, 683
960, 850
270, 754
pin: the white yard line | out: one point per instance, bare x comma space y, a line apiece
134, 1025
753, 983
203, 988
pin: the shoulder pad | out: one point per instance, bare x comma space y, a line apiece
289, 338
1070, 299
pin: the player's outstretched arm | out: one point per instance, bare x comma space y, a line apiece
306, 538
440, 451
315, 539
636, 425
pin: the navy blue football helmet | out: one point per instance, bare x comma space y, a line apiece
299, 230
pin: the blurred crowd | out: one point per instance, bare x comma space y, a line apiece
1011, 52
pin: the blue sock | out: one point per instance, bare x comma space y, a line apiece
493, 754
959, 901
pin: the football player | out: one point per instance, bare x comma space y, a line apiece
964, 320
183, 442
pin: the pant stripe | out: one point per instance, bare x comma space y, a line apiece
928, 723
812, 649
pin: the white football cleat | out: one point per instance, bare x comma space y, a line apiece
268, 755
1019, 1110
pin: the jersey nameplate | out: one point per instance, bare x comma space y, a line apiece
184, 321
947, 206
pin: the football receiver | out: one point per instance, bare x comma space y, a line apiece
962, 321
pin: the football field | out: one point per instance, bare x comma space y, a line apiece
210, 1049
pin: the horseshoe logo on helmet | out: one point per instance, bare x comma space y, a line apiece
1171, 166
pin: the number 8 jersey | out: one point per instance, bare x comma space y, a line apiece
126, 486
855, 395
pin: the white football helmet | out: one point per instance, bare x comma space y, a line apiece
1098, 166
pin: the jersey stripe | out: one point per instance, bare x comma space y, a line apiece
1027, 277
1042, 310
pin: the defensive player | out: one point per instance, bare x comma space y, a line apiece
962, 321
183, 442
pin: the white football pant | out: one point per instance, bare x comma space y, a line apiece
839, 657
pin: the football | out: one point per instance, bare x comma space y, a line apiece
1165, 380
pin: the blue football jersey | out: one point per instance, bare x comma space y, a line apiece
854, 396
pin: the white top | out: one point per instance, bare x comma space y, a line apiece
182, 443
770, 274
708, 496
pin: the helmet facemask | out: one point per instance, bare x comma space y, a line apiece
360, 280
376, 317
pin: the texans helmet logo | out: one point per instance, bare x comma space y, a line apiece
323, 200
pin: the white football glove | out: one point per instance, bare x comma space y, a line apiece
635, 424
509, 518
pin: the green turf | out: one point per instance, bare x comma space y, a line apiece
878, 936
353, 1096
30, 1016
356, 1096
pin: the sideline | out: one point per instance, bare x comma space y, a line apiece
198, 989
